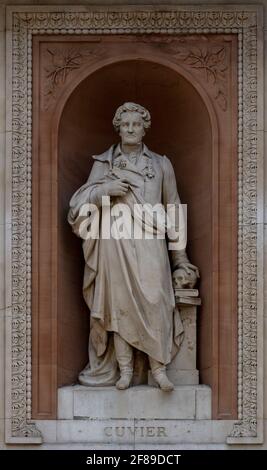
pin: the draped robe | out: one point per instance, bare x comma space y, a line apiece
127, 282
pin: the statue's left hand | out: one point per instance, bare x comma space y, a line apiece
188, 267
185, 276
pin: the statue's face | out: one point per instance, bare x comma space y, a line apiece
131, 128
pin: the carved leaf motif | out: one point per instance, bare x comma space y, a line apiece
208, 60
213, 63
61, 65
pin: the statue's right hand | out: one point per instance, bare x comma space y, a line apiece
118, 187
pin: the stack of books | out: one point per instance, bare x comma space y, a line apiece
187, 297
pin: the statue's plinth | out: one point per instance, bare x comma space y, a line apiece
142, 415
138, 402
182, 370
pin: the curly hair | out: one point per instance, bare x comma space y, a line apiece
131, 107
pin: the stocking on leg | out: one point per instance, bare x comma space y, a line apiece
124, 355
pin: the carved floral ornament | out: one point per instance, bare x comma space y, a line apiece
223, 19
137, 19
208, 60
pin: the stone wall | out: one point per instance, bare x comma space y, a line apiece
49, 429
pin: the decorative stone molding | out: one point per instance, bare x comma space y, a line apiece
209, 60
22, 24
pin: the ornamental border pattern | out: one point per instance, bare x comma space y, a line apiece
25, 24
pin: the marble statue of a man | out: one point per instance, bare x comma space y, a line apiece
127, 281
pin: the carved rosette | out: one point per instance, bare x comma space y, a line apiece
143, 21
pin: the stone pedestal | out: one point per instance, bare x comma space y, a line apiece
140, 402
182, 370
140, 414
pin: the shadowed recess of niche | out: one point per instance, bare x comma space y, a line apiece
181, 130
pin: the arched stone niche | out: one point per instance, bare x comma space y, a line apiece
194, 123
